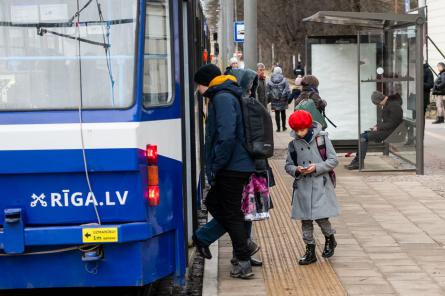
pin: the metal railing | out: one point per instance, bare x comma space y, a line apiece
438, 49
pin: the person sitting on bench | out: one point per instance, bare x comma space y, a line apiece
391, 118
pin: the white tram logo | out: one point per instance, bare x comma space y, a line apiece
38, 199
78, 199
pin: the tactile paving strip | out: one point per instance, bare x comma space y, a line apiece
282, 245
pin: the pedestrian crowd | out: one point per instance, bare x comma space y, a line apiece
239, 141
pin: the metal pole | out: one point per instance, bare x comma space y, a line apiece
235, 9
425, 34
273, 55
222, 36
250, 42
420, 116
229, 28
360, 167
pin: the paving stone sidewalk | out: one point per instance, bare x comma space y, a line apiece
391, 237
391, 234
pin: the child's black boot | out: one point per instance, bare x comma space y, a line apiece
329, 246
309, 257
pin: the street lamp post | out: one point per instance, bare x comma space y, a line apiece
250, 39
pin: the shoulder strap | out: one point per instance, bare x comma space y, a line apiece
292, 152
321, 145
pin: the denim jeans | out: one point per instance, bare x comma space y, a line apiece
212, 231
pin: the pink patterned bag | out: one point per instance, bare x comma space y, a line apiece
255, 202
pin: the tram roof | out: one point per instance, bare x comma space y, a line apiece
366, 19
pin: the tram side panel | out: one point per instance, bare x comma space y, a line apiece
50, 236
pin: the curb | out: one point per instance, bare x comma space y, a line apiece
210, 281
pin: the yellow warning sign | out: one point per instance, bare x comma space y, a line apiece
99, 235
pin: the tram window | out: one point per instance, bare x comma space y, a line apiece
157, 87
40, 69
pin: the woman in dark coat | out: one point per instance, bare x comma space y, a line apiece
391, 118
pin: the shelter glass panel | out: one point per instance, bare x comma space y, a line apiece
387, 119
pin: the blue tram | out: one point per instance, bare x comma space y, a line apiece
100, 138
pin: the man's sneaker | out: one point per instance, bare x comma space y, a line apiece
253, 262
203, 250
253, 247
256, 262
242, 270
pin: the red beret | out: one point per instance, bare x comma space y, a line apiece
300, 119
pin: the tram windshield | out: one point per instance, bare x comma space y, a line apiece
63, 54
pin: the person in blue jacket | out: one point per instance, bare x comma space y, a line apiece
212, 230
228, 165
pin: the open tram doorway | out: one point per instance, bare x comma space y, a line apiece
386, 55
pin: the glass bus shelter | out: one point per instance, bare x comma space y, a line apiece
390, 60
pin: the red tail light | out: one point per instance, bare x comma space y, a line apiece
153, 195
152, 154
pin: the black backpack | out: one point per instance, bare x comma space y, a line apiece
258, 128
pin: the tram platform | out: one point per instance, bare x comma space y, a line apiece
391, 240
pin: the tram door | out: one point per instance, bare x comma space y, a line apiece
192, 40
187, 122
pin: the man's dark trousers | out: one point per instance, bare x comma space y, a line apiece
282, 114
224, 203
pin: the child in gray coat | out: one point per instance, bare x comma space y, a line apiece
311, 160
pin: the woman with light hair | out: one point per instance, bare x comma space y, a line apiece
233, 64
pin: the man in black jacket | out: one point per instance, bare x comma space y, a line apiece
428, 83
439, 93
392, 117
261, 89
